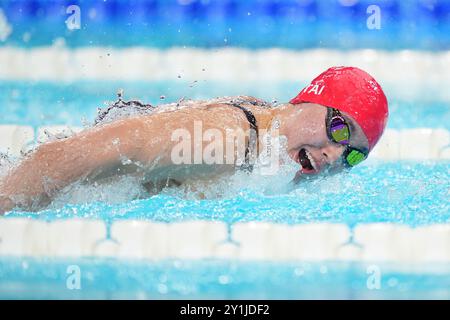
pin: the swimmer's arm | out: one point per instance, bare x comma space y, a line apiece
145, 140
54, 165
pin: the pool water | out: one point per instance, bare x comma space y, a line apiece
411, 193
217, 279
414, 193
422, 25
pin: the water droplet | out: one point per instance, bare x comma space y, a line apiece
224, 279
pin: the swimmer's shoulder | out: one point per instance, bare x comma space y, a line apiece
218, 103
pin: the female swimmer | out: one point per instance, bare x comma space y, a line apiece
333, 123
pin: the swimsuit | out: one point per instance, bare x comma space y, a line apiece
253, 139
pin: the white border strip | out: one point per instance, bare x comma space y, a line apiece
408, 144
258, 241
405, 73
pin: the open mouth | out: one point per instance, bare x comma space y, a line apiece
307, 161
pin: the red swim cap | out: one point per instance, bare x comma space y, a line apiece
353, 91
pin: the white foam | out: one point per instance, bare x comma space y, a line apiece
111, 190
50, 133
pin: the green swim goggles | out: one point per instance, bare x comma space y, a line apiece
338, 131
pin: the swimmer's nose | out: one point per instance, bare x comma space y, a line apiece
332, 152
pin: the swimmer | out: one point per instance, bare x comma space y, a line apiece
332, 124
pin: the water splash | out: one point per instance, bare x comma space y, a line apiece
6, 163
408, 192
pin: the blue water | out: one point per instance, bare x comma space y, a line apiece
411, 193
215, 279
252, 24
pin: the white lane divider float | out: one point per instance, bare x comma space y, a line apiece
74, 237
403, 70
253, 241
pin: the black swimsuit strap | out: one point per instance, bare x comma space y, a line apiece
250, 116
254, 135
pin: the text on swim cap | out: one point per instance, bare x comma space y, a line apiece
314, 88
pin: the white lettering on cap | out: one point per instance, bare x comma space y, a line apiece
315, 88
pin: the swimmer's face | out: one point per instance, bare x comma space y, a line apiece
309, 144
